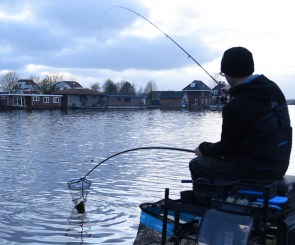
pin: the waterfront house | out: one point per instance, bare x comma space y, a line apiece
29, 101
26, 95
82, 98
199, 94
173, 99
126, 101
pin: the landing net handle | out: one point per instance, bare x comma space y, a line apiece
79, 188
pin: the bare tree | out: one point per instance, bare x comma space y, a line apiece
47, 84
140, 90
35, 79
8, 81
150, 86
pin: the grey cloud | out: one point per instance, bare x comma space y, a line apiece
67, 34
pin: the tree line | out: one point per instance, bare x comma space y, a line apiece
47, 85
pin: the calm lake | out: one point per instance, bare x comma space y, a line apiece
41, 150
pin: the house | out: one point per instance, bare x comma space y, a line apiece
173, 99
82, 98
26, 86
29, 101
26, 95
199, 94
126, 101
66, 85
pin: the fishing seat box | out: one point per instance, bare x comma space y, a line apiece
205, 191
212, 193
253, 189
284, 187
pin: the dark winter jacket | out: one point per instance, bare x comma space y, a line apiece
256, 133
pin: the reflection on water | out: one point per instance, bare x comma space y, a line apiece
79, 227
41, 150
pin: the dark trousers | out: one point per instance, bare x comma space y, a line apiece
212, 168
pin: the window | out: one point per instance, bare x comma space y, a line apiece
3, 97
36, 98
55, 99
45, 99
215, 92
196, 101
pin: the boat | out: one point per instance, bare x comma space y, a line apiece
220, 212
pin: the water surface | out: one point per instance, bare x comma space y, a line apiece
41, 150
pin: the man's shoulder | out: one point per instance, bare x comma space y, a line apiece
235, 105
243, 106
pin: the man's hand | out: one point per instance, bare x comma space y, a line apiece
198, 152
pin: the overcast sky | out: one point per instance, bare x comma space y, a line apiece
91, 41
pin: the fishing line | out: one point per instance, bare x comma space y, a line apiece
189, 56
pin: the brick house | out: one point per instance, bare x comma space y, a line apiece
26, 94
199, 94
173, 99
30, 101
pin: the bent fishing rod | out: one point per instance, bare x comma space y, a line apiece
136, 149
189, 56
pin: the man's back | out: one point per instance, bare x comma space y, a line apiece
263, 135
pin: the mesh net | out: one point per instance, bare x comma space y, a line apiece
79, 188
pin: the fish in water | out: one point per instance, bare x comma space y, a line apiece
80, 207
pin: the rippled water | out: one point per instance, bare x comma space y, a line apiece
41, 150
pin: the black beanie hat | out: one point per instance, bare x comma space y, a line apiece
237, 62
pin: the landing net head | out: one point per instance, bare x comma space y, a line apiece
79, 189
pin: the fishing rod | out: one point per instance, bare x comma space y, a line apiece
136, 149
189, 56
79, 187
